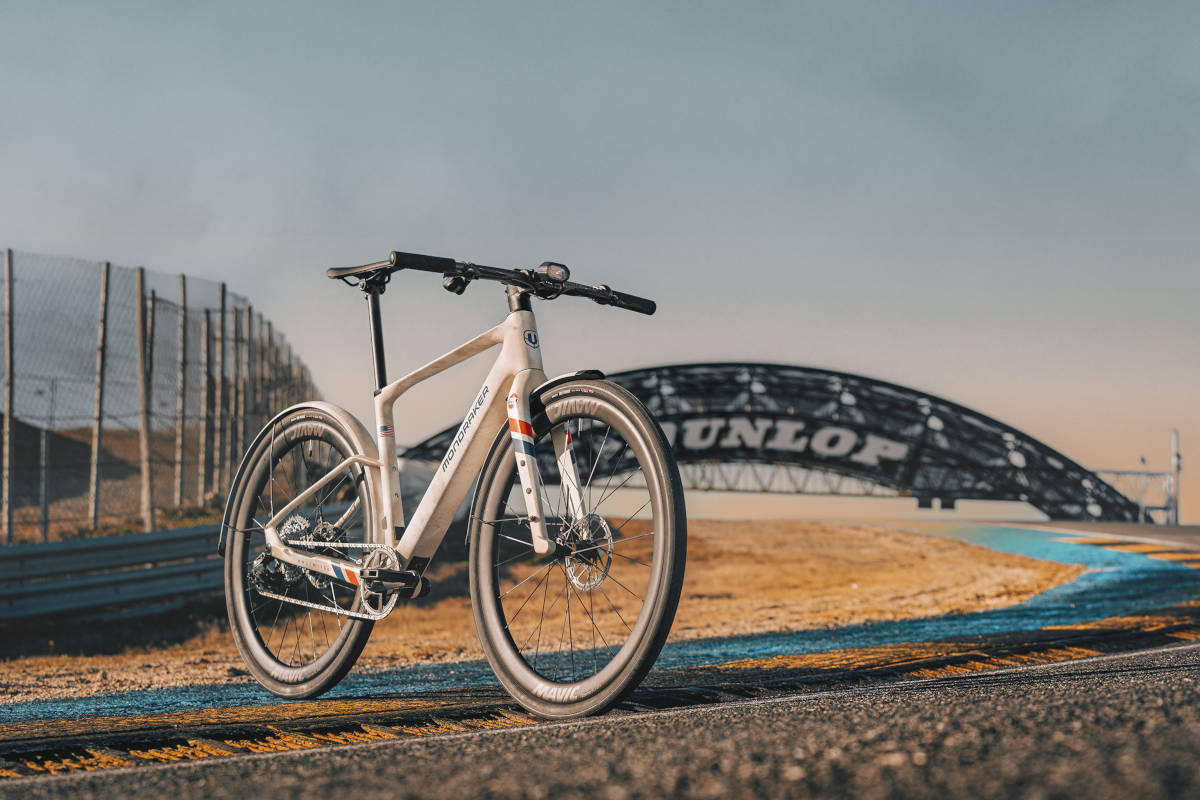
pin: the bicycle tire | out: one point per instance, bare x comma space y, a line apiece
495, 573
291, 674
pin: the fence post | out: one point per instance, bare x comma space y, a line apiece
98, 417
264, 407
181, 392
235, 398
247, 408
143, 368
269, 369
205, 390
44, 487
150, 341
290, 373
219, 398
8, 397
256, 403
229, 412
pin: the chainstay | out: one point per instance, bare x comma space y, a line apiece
347, 545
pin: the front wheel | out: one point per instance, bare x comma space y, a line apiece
574, 634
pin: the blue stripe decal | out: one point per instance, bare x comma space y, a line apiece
523, 446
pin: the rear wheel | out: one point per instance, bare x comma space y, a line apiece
574, 634
290, 624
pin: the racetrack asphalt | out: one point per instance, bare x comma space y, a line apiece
1114, 726
920, 708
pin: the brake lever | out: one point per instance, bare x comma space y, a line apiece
455, 284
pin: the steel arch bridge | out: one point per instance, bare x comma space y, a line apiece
758, 427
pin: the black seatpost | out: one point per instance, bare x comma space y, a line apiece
372, 291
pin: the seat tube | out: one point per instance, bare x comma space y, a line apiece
392, 507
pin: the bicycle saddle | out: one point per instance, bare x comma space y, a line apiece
396, 261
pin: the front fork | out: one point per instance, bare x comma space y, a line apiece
521, 431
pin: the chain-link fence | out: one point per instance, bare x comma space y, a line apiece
111, 430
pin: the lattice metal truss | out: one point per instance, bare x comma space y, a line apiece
779, 428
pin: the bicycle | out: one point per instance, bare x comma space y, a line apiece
572, 598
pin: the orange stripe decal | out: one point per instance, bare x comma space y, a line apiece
520, 426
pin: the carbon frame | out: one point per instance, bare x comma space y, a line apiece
505, 393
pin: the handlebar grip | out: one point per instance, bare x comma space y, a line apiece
422, 263
607, 296
632, 302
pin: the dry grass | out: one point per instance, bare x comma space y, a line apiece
742, 577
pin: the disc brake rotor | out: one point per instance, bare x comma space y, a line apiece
592, 552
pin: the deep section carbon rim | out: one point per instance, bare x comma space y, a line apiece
575, 620
300, 618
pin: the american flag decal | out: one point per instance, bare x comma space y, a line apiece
387, 430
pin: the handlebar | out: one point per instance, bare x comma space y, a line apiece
458, 274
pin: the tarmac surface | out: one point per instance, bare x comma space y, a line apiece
1089, 689
1120, 726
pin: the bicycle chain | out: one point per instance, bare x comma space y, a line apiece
337, 610
342, 612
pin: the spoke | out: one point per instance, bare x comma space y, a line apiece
615, 542
595, 630
538, 628
631, 516
311, 634
509, 560
283, 633
513, 618
615, 609
332, 488
334, 600
596, 463
592, 618
612, 474
275, 622
605, 496
630, 558
623, 586
534, 575
562, 634
296, 649
324, 630
570, 630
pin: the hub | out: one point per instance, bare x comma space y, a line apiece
591, 545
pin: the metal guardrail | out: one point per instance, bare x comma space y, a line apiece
86, 575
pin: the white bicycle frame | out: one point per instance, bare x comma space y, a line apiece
506, 393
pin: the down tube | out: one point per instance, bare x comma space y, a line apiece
454, 476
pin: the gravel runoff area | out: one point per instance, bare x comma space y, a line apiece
1125, 726
743, 577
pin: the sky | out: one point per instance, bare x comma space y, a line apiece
992, 202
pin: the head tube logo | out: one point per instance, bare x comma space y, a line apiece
531, 338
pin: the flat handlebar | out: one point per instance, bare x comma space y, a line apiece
529, 280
